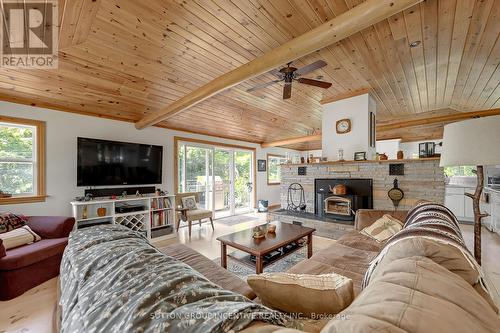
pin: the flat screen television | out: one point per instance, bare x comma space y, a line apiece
102, 162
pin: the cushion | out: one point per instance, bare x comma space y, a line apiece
189, 202
18, 237
310, 295
9, 221
196, 214
30, 254
384, 228
416, 295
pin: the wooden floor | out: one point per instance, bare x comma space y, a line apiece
32, 312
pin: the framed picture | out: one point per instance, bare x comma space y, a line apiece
372, 129
360, 156
261, 165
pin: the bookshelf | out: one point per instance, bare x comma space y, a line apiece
152, 215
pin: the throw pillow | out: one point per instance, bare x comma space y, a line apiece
189, 202
384, 228
309, 295
9, 221
18, 237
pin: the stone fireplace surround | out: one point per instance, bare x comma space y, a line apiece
359, 195
422, 179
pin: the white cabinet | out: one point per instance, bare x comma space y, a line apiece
468, 207
454, 200
458, 203
495, 211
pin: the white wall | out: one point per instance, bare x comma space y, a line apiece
357, 110
62, 131
410, 149
389, 147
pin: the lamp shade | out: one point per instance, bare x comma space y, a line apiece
472, 142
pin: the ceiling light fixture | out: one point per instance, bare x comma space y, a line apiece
415, 43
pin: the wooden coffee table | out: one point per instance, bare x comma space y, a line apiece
286, 234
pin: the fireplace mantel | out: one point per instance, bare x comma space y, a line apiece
413, 160
422, 179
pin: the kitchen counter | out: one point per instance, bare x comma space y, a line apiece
492, 190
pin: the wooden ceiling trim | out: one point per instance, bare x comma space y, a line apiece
444, 118
309, 138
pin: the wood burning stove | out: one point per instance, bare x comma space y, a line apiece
340, 198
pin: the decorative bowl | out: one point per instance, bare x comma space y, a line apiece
259, 232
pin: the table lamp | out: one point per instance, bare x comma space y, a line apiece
473, 142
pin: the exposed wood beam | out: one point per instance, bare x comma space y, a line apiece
358, 18
395, 125
439, 119
308, 138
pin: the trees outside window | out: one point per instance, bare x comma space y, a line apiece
22, 160
274, 168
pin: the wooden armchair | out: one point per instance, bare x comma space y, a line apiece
191, 215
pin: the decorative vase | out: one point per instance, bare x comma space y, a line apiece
101, 211
383, 157
400, 155
85, 212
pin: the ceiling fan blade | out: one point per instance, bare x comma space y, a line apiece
311, 67
263, 85
287, 90
316, 83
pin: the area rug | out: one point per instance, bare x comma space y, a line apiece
237, 219
281, 265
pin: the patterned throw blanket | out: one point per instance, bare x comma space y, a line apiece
434, 222
113, 280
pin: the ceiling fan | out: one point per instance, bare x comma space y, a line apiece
290, 74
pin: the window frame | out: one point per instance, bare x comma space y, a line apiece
39, 161
268, 168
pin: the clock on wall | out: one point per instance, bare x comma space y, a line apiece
343, 126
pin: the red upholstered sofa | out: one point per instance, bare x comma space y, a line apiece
27, 266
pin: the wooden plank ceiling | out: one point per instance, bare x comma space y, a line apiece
122, 59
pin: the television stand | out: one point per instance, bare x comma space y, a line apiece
155, 219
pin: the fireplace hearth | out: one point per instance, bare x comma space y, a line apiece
358, 195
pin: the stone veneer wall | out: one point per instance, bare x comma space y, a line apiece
422, 179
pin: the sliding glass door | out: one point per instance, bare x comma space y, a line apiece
224, 176
243, 184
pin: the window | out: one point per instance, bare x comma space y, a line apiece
22, 160
468, 171
274, 169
